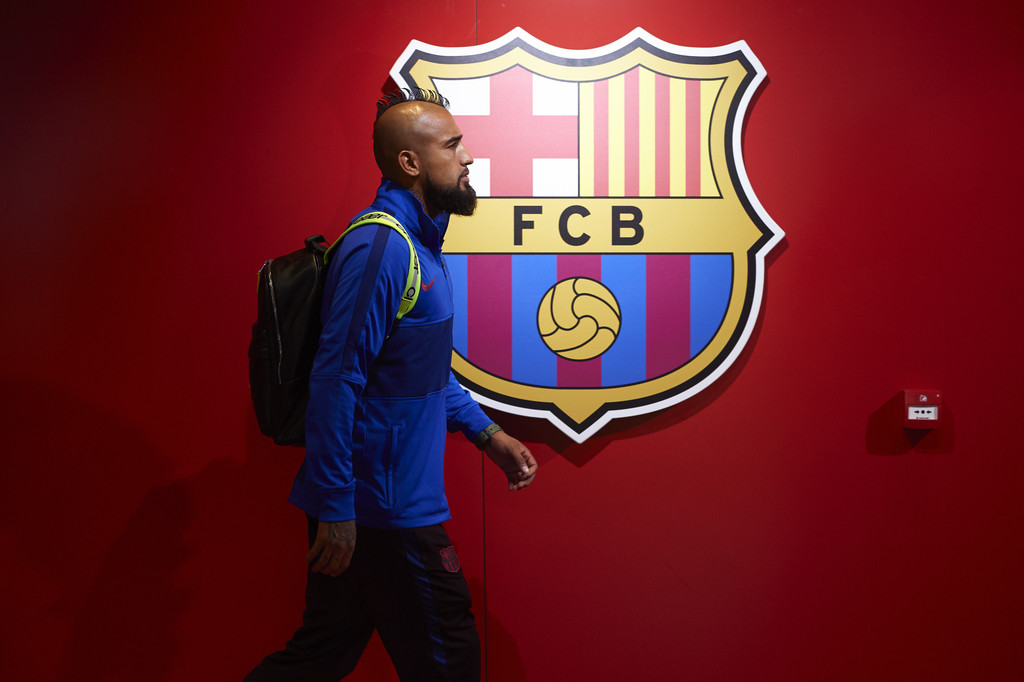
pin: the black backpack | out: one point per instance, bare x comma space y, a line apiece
287, 330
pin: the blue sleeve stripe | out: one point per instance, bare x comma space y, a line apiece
460, 331
362, 301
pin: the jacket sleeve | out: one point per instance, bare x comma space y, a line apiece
365, 280
463, 412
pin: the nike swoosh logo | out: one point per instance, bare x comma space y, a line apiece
426, 287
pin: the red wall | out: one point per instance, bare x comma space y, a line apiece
781, 526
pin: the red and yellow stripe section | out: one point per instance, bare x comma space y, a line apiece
645, 134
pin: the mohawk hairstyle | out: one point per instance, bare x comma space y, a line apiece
409, 95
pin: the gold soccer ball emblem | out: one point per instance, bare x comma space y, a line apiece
579, 318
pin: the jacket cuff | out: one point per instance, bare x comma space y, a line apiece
469, 421
337, 505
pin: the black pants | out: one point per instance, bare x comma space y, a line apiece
407, 585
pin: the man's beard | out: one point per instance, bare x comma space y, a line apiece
454, 199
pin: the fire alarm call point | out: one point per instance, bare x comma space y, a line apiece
922, 409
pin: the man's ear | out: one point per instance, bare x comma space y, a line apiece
409, 162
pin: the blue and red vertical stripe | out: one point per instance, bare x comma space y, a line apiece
672, 305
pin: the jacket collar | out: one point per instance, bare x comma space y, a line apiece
403, 204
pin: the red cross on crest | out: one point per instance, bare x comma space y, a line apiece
512, 136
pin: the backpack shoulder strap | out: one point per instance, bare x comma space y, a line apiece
412, 280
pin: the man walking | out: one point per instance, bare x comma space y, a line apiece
382, 397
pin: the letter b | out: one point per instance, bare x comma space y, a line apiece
632, 223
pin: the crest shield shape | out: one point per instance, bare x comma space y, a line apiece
615, 262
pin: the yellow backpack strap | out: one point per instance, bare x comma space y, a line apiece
412, 280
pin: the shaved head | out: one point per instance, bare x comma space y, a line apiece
404, 126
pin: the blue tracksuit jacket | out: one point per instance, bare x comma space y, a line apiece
380, 405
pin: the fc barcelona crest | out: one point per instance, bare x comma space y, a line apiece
615, 262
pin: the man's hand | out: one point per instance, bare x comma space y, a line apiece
333, 547
514, 458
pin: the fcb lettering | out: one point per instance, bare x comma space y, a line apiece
615, 263
623, 218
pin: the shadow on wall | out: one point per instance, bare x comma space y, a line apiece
126, 625
501, 658
123, 572
74, 473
